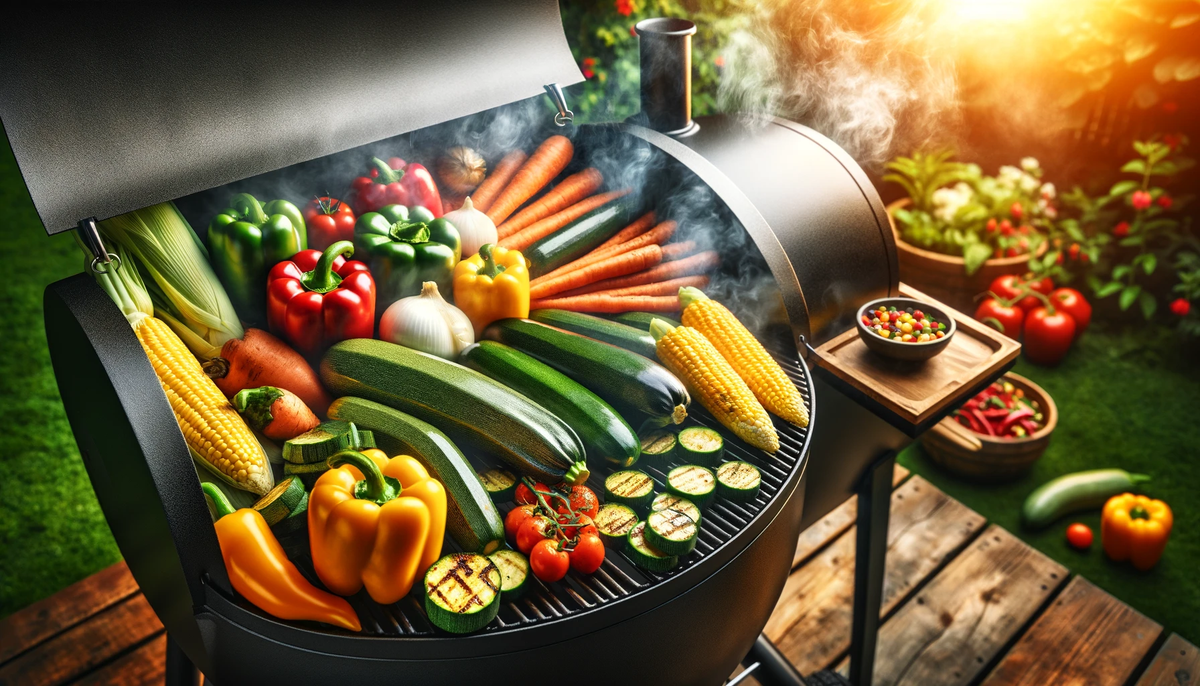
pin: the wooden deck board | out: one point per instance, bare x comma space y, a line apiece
1176, 664
834, 524
811, 622
144, 666
1086, 638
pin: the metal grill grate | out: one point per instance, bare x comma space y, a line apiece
618, 578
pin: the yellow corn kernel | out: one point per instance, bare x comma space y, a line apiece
210, 425
766, 379
713, 382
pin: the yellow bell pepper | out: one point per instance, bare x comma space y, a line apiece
1136, 528
363, 532
492, 285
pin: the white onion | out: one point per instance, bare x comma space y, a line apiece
428, 323
474, 227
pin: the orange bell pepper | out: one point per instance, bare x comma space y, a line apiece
363, 532
260, 570
1135, 528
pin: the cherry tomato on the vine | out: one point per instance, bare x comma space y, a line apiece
1043, 286
1079, 536
1048, 336
524, 496
584, 527
531, 531
514, 519
548, 562
583, 501
1010, 317
588, 554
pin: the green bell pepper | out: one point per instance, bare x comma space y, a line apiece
245, 241
405, 247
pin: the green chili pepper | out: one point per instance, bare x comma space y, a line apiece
405, 247
245, 241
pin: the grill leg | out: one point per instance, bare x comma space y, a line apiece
874, 502
180, 670
769, 667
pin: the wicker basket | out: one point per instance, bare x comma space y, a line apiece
971, 455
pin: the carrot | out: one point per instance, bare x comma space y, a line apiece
495, 182
696, 264
260, 359
639, 227
280, 415
612, 267
540, 229
574, 188
670, 287
678, 251
656, 236
610, 305
551, 157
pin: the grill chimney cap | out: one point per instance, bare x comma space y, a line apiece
665, 26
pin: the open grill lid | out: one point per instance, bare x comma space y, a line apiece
110, 108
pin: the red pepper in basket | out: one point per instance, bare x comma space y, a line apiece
396, 183
329, 220
317, 299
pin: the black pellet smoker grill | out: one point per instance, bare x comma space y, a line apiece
110, 109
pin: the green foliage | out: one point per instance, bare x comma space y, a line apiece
604, 45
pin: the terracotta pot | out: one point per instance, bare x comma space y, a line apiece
944, 277
982, 458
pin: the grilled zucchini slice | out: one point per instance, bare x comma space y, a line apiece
738, 481
663, 501
279, 502
462, 592
658, 446
514, 571
629, 487
701, 445
614, 521
671, 531
693, 482
500, 484
644, 555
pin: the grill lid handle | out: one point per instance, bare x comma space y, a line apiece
564, 115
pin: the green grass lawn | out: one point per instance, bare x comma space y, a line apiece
1125, 400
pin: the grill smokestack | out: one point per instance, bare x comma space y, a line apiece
666, 59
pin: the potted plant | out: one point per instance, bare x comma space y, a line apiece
958, 229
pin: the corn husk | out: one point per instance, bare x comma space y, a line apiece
184, 288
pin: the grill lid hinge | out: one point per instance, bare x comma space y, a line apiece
564, 115
89, 235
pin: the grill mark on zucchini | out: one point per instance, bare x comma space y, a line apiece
692, 479
630, 484
673, 524
461, 563
637, 536
657, 443
615, 520
739, 475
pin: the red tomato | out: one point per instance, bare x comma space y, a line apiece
1031, 302
588, 554
1006, 287
524, 496
585, 526
583, 501
547, 561
1048, 336
513, 521
1079, 536
1009, 286
1073, 303
1009, 318
531, 531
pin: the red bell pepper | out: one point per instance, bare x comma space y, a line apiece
317, 299
329, 220
396, 183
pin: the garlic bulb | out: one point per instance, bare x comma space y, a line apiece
475, 228
461, 169
427, 323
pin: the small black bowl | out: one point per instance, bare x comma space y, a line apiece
911, 352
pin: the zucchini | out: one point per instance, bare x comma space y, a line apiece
644, 555
671, 531
641, 320
693, 482
663, 501
738, 481
614, 521
615, 333
701, 445
321, 443
629, 487
279, 502
603, 432
514, 571
462, 592
1074, 492
470, 407
623, 378
471, 517
579, 237
659, 446
500, 484
307, 473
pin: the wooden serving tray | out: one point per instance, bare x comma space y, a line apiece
917, 392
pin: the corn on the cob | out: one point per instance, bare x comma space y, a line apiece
745, 354
210, 425
710, 379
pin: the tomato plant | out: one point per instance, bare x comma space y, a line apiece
1048, 335
548, 560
